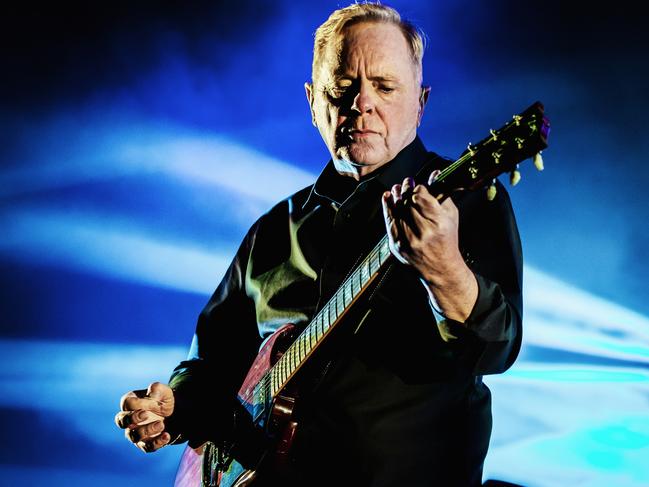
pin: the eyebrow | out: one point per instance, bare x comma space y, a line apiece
389, 79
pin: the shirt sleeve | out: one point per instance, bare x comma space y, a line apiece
205, 385
491, 246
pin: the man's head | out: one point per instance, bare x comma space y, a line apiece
366, 97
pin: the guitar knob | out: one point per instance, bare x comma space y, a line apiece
491, 191
514, 177
538, 161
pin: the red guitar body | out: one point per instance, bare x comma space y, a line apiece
197, 467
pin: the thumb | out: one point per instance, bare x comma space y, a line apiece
163, 397
160, 392
157, 398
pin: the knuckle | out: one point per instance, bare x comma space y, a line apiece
124, 400
120, 420
129, 434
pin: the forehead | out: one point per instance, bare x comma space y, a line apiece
380, 48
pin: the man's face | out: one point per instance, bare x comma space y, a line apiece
367, 101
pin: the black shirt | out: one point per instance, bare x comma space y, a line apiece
401, 401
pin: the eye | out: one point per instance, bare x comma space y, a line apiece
386, 89
339, 89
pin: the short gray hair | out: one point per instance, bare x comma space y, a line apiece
329, 32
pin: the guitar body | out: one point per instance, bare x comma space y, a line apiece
203, 465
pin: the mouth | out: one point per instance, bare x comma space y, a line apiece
357, 134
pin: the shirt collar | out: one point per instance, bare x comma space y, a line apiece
335, 187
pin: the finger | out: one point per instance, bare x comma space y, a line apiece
123, 419
144, 433
388, 215
132, 419
154, 444
407, 186
393, 227
433, 176
396, 193
425, 204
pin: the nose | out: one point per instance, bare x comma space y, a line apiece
364, 99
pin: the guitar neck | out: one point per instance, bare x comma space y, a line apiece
328, 317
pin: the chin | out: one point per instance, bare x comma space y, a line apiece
364, 155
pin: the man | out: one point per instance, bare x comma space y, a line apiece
400, 401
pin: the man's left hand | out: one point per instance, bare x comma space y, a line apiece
424, 233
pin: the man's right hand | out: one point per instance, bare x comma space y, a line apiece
142, 416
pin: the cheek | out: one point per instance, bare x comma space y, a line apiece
399, 118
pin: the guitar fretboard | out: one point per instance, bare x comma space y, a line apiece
324, 322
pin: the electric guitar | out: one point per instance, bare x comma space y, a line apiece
269, 391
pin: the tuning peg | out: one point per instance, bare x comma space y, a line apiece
538, 161
491, 191
517, 119
494, 134
514, 176
471, 149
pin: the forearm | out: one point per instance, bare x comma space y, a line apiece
452, 293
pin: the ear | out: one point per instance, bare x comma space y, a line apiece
308, 89
423, 98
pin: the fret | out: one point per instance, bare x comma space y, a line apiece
360, 280
340, 302
300, 351
291, 359
332, 314
347, 292
307, 341
283, 366
364, 273
374, 263
281, 363
384, 251
325, 319
318, 326
309, 331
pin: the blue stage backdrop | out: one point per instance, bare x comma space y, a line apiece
139, 140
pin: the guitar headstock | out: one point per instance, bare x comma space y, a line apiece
525, 136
